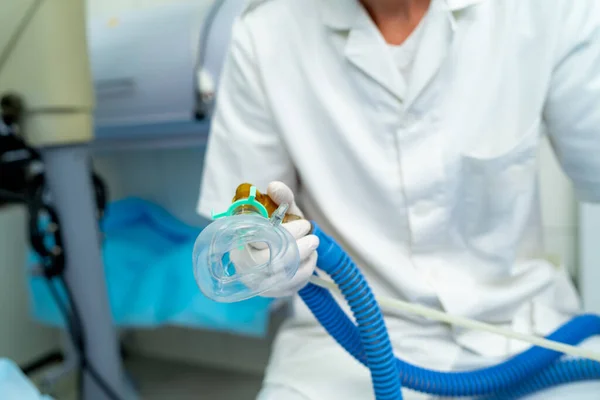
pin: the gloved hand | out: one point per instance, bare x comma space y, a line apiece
280, 193
307, 244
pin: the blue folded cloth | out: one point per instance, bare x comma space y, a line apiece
14, 385
148, 264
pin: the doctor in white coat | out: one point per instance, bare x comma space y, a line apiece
409, 130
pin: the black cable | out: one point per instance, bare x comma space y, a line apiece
54, 357
53, 268
11, 197
52, 259
80, 384
72, 326
74, 323
73, 319
73, 332
80, 342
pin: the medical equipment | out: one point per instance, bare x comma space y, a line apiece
246, 224
148, 87
43, 62
216, 268
156, 70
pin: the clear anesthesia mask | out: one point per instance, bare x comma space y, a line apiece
245, 251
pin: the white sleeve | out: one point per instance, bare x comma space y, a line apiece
244, 143
572, 110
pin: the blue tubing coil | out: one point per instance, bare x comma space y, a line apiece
527, 372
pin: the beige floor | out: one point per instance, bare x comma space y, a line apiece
159, 381
162, 380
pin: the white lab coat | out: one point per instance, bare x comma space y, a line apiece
431, 185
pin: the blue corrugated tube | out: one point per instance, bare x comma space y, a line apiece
368, 341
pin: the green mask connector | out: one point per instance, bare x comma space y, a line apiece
250, 201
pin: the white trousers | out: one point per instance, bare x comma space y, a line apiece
302, 372
579, 391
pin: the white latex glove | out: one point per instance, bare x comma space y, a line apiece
280, 193
307, 244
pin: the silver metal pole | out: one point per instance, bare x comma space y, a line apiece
68, 175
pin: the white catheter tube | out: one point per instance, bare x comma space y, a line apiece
393, 304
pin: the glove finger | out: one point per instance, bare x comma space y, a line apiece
307, 245
298, 281
307, 268
258, 245
248, 257
280, 193
298, 228
307, 248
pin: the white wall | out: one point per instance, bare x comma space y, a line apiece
21, 339
170, 178
107, 7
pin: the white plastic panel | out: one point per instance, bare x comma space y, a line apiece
143, 63
216, 40
146, 63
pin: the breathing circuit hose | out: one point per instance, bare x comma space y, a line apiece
368, 341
